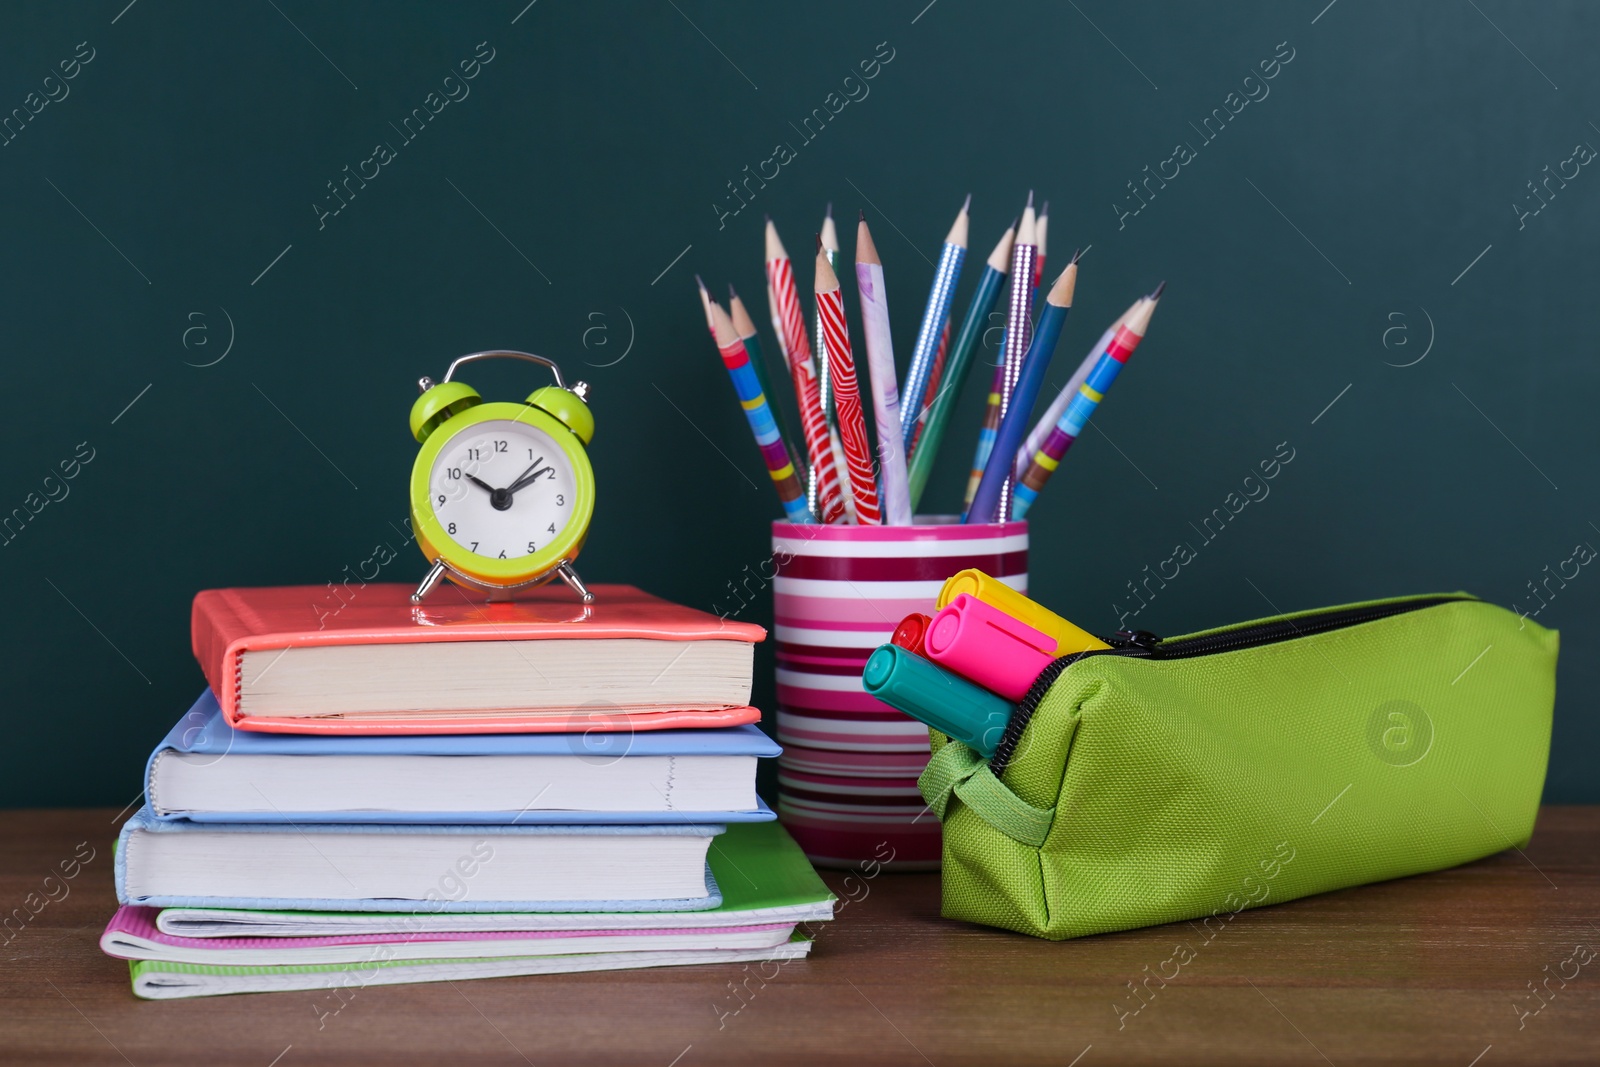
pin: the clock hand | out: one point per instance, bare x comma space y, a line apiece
500, 499
528, 479
520, 479
485, 486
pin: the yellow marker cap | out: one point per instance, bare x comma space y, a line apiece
995, 593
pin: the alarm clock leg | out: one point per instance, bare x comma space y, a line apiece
434, 574
570, 576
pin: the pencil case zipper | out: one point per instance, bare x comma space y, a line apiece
1142, 644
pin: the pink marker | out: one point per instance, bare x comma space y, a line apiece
985, 645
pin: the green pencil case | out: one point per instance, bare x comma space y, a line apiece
1196, 776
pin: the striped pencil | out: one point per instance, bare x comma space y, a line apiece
1019, 322
1018, 335
880, 372
829, 504
1041, 233
992, 501
935, 321
746, 329
846, 394
736, 357
830, 246
942, 406
1052, 414
842, 465
810, 478
1073, 420
783, 350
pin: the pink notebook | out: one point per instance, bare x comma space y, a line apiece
364, 660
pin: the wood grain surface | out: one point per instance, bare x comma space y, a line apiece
1438, 969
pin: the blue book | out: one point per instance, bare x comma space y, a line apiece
206, 771
420, 870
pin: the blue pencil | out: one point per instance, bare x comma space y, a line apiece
934, 317
941, 406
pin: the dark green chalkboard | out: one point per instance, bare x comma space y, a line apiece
1359, 271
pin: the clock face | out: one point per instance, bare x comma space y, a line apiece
502, 489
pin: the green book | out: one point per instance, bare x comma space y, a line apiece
768, 887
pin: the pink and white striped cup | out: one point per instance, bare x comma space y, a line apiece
838, 593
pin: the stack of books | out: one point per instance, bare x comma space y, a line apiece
382, 793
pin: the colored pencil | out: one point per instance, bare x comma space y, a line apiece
1019, 323
935, 320
746, 329
1073, 420
942, 406
846, 393
935, 376
1052, 414
830, 246
736, 358
842, 465
786, 349
987, 430
777, 325
705, 305
1014, 344
1041, 230
992, 501
896, 496
848, 511
992, 410
811, 472
829, 506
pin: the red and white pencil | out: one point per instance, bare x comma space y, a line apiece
829, 501
846, 393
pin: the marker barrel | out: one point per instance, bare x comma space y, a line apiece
985, 645
911, 632
1069, 638
940, 698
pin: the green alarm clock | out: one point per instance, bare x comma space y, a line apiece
501, 493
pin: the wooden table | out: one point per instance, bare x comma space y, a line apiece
1434, 969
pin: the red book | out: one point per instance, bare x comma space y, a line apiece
364, 660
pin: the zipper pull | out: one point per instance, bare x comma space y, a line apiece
1143, 640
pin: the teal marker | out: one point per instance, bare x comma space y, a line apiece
929, 693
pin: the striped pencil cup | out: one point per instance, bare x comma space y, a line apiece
848, 774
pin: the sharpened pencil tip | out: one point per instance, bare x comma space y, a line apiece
1076, 254
732, 294
700, 283
1030, 198
968, 204
1158, 291
1044, 210
1016, 222
819, 243
828, 213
